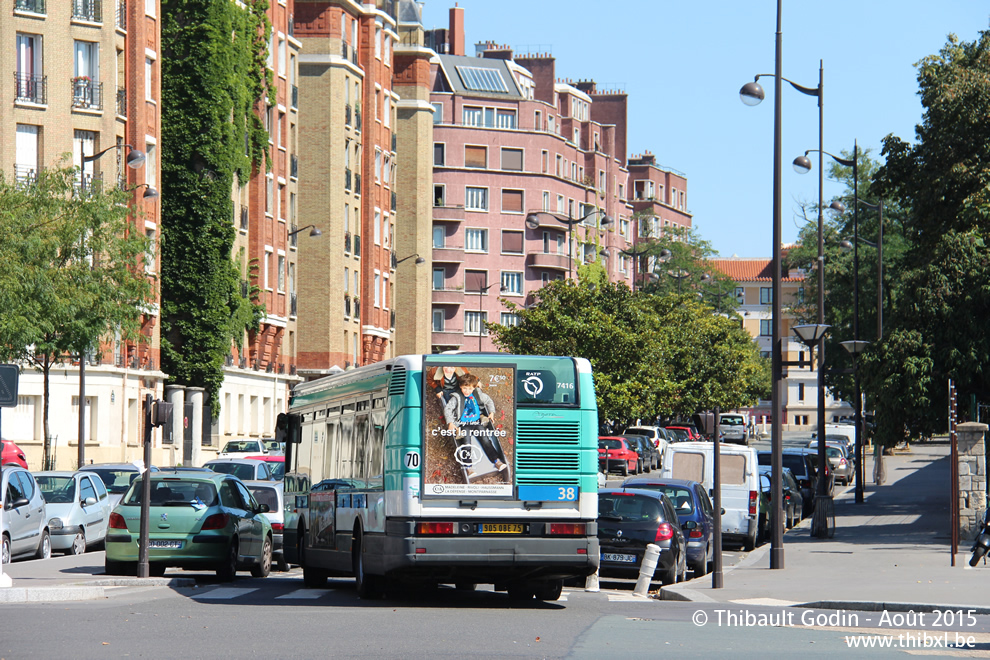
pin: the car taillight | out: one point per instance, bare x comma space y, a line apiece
216, 521
695, 534
665, 532
435, 528
752, 502
277, 527
117, 521
568, 529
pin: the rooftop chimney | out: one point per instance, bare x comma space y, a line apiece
457, 30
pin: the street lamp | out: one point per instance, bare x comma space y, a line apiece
533, 222
717, 295
314, 231
855, 347
135, 157
847, 245
396, 262
149, 191
752, 94
662, 256
482, 290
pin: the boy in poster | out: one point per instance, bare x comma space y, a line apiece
468, 413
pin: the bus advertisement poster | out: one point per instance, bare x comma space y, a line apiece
469, 431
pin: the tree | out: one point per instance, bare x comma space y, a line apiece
69, 271
214, 75
651, 355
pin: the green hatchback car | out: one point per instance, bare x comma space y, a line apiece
198, 521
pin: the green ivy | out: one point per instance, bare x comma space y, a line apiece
214, 78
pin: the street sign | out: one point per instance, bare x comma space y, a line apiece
9, 374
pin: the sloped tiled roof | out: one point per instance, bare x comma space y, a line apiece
752, 270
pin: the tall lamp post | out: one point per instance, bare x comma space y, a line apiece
812, 336
482, 290
752, 94
533, 222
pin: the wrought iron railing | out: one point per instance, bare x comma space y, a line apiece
87, 94
31, 88
357, 116
293, 236
88, 10
347, 305
347, 115
121, 102
292, 305
24, 175
393, 201
86, 183
33, 6
394, 141
120, 19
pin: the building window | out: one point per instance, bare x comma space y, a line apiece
438, 318
378, 289
439, 195
281, 273
149, 256
512, 242
150, 7
439, 156
270, 194
439, 277
800, 391
149, 65
544, 161
476, 157
766, 327
546, 200
476, 240
476, 199
512, 201
268, 265
151, 164
474, 323
508, 319
512, 283
437, 113
378, 227
439, 236
766, 295
512, 159
282, 58
472, 116
505, 119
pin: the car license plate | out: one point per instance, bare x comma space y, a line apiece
501, 528
626, 559
174, 545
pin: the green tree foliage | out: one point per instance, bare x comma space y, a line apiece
900, 371
70, 271
214, 77
651, 355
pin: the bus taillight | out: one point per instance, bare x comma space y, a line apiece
435, 528
568, 529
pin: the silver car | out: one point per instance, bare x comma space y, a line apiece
23, 516
245, 469
272, 493
78, 509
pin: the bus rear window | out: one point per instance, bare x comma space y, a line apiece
546, 382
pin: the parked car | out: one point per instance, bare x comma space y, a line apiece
793, 500
733, 428
23, 516
245, 469
694, 511
629, 519
649, 458
845, 433
803, 464
745, 517
276, 463
242, 448
274, 446
203, 521
117, 477
657, 434
684, 433
839, 460
78, 509
615, 453
272, 493
11, 454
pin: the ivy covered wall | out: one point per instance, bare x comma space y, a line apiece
213, 77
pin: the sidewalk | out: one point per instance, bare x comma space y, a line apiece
891, 552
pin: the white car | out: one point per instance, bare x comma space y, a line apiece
272, 493
243, 448
78, 509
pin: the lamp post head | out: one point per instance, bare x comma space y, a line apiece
855, 347
751, 93
665, 255
150, 193
315, 231
846, 245
837, 206
802, 164
810, 333
606, 221
532, 221
135, 158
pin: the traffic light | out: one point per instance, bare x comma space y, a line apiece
705, 421
161, 412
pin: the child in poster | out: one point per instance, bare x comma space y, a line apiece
468, 413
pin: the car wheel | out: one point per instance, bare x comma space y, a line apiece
5, 550
281, 564
78, 546
264, 566
227, 571
639, 467
45, 547
701, 568
669, 576
624, 470
683, 574
750, 543
156, 569
368, 586
549, 590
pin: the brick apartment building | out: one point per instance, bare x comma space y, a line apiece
85, 83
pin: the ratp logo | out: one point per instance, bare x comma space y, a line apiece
533, 386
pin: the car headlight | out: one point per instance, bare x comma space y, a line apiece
55, 523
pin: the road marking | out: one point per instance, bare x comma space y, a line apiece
304, 594
225, 593
628, 598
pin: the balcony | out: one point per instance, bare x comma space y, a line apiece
121, 102
87, 10
448, 255
120, 19
33, 6
294, 166
454, 338
87, 94
24, 175
551, 261
447, 297
32, 89
449, 213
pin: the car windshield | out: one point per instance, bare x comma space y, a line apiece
278, 470
627, 507
680, 496
610, 444
795, 462
240, 470
57, 490
175, 492
240, 446
265, 496
731, 421
117, 481
650, 433
681, 434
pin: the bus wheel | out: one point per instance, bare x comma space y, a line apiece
368, 586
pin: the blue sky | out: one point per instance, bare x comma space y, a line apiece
682, 64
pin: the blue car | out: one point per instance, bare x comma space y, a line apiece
694, 511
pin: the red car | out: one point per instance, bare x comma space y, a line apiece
276, 462
615, 453
12, 455
685, 433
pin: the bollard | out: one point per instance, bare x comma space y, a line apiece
646, 569
591, 584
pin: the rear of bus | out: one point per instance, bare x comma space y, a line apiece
510, 499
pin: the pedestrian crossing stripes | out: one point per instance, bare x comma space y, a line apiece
304, 594
224, 593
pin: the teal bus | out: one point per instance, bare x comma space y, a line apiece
462, 469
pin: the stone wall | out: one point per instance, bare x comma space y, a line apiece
972, 470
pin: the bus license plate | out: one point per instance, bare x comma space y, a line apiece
626, 559
175, 545
501, 528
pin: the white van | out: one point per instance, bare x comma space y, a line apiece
733, 427
742, 520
